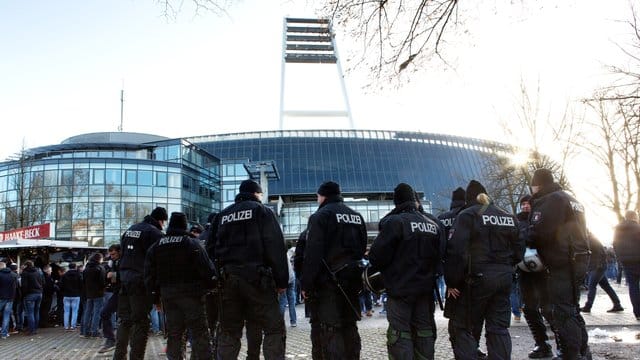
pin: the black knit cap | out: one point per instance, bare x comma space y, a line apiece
329, 188
160, 214
458, 194
178, 221
542, 177
250, 186
474, 189
525, 198
403, 193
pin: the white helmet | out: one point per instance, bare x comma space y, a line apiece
531, 261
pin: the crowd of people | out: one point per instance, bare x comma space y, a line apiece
237, 273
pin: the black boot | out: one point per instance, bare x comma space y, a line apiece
543, 350
481, 355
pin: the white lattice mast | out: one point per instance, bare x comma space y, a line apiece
311, 41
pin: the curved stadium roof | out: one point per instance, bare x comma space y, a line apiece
361, 161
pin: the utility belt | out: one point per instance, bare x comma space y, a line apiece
250, 273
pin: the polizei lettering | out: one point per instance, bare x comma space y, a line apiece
349, 219
448, 222
133, 233
237, 216
424, 227
498, 220
170, 240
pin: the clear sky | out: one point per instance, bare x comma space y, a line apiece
63, 63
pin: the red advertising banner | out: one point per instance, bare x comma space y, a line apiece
29, 232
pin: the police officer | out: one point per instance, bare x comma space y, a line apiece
331, 278
249, 247
178, 271
457, 204
485, 239
530, 288
406, 251
558, 230
447, 219
134, 304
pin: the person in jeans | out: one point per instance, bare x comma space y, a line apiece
94, 278
626, 243
111, 299
597, 276
71, 288
289, 296
8, 289
32, 283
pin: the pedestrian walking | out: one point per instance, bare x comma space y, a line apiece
626, 243
597, 269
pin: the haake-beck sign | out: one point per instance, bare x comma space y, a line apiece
30, 232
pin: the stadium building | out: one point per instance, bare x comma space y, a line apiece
91, 187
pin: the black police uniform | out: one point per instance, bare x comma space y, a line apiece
134, 304
531, 284
447, 219
178, 271
250, 250
406, 251
337, 239
558, 229
485, 242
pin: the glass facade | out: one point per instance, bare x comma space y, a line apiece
93, 186
362, 162
94, 191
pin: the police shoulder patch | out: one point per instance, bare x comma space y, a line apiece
536, 216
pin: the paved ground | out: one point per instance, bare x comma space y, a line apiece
605, 329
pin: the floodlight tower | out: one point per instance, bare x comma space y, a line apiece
311, 41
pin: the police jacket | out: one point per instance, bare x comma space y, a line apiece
626, 242
336, 235
94, 280
448, 218
32, 281
248, 237
177, 265
8, 284
523, 228
298, 256
406, 251
134, 245
484, 237
442, 241
557, 226
71, 283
